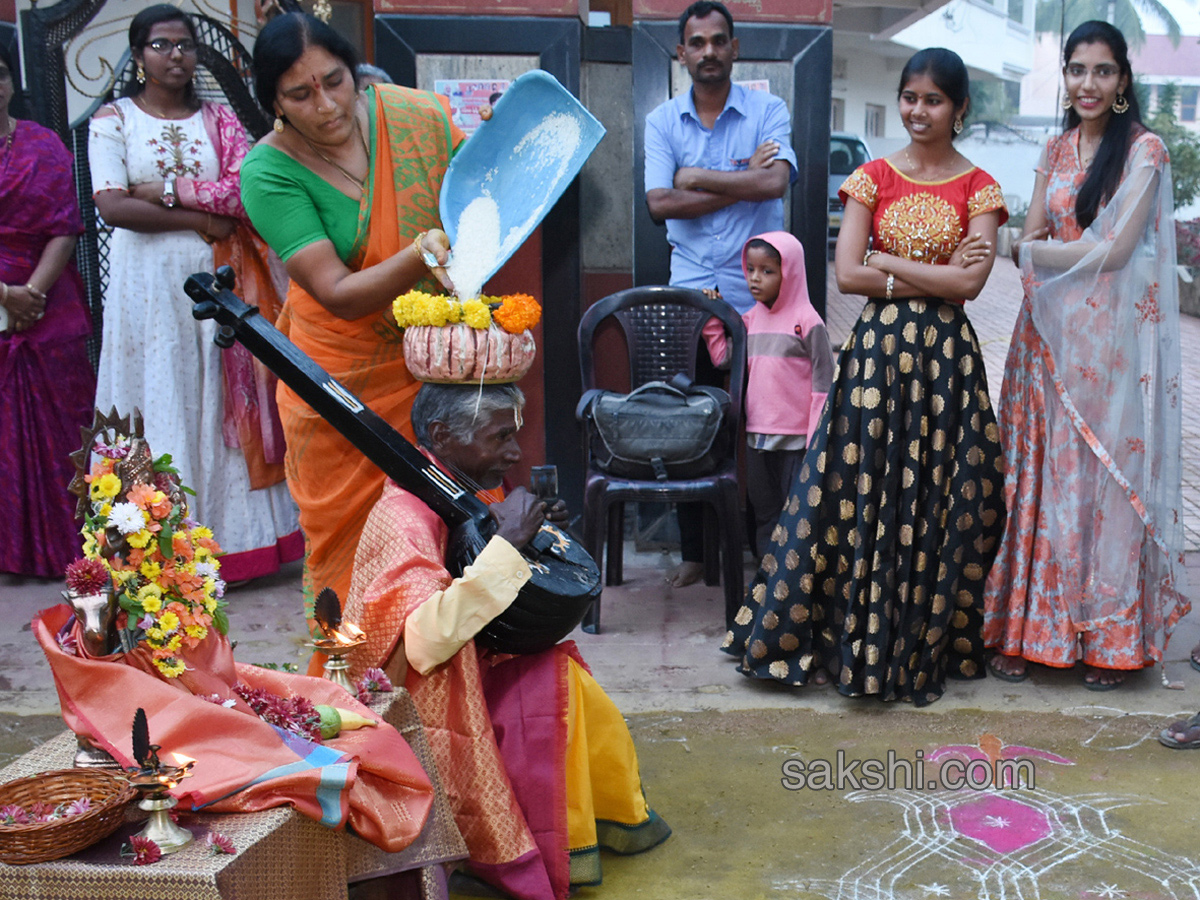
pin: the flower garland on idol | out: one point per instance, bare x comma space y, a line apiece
163, 565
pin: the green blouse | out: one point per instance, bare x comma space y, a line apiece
292, 208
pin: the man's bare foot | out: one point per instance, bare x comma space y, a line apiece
685, 573
1008, 668
1097, 679
820, 676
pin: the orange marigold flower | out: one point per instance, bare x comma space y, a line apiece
517, 313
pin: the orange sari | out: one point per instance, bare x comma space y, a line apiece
334, 485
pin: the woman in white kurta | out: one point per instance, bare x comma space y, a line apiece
164, 172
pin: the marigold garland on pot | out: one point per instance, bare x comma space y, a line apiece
514, 313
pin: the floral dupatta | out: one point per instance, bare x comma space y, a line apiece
250, 415
1107, 309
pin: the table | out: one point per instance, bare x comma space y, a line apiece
282, 855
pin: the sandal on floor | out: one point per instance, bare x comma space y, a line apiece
1187, 726
1006, 676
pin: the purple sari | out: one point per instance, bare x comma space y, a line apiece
46, 382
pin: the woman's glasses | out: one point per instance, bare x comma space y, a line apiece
1100, 72
164, 46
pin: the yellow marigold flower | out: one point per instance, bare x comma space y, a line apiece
120, 576
105, 487
174, 643
89, 546
168, 622
154, 633
149, 590
105, 510
210, 602
151, 570
199, 632
477, 314
172, 667
409, 309
200, 532
140, 539
203, 554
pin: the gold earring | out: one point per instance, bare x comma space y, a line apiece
141, 74
278, 126
958, 126
1120, 105
1066, 101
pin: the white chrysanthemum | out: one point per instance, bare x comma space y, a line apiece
206, 569
127, 518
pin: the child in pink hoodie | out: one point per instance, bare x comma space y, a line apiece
791, 369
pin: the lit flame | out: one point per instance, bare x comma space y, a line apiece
348, 633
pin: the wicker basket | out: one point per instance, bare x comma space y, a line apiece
108, 792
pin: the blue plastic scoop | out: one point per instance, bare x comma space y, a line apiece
508, 174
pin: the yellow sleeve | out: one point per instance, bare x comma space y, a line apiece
438, 628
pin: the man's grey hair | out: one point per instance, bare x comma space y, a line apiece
461, 407
366, 70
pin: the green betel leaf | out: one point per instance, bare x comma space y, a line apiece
165, 542
130, 606
221, 619
163, 464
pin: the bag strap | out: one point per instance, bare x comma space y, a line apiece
583, 409
659, 386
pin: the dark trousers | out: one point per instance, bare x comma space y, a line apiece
770, 475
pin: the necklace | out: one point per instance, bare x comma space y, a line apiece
933, 175
141, 104
1085, 161
359, 183
8, 137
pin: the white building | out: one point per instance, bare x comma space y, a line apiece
872, 43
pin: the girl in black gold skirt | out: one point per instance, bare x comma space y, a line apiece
875, 571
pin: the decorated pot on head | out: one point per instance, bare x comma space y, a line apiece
486, 340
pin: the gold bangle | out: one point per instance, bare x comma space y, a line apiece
891, 282
417, 249
868, 255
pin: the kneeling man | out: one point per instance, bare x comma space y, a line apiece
534, 756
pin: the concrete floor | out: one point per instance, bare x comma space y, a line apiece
658, 657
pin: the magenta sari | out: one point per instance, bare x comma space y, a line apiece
46, 382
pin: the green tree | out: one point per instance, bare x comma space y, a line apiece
1063, 16
1182, 144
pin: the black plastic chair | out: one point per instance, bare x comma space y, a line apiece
662, 328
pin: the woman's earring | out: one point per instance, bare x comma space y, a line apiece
278, 126
1120, 105
1066, 101
958, 126
141, 74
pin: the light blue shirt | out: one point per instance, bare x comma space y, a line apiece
707, 251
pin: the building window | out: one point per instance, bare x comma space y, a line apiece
837, 114
873, 126
1187, 103
1016, 10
